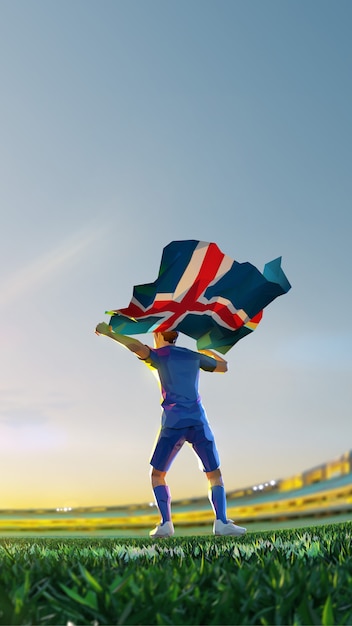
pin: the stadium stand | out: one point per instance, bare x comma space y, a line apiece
322, 491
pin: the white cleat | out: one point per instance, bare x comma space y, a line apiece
163, 530
228, 529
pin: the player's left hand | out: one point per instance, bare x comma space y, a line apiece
102, 329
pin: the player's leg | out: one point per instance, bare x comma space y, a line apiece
203, 443
162, 494
168, 445
205, 448
217, 494
217, 497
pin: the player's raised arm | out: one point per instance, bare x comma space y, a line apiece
221, 364
132, 344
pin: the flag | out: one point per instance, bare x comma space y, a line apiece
203, 293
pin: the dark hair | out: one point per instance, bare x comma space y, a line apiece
170, 336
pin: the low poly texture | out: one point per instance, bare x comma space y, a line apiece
204, 294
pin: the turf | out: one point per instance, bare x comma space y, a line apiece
293, 576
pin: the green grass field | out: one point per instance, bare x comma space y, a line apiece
293, 576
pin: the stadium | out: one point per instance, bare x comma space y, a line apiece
319, 495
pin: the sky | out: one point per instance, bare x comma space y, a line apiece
126, 125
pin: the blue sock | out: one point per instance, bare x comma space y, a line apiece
217, 497
163, 500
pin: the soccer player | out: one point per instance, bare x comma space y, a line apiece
183, 419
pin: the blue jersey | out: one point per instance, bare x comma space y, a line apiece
178, 370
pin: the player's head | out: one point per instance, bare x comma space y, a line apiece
170, 336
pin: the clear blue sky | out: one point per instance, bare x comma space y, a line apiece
125, 125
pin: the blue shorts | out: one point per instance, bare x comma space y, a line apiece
171, 440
